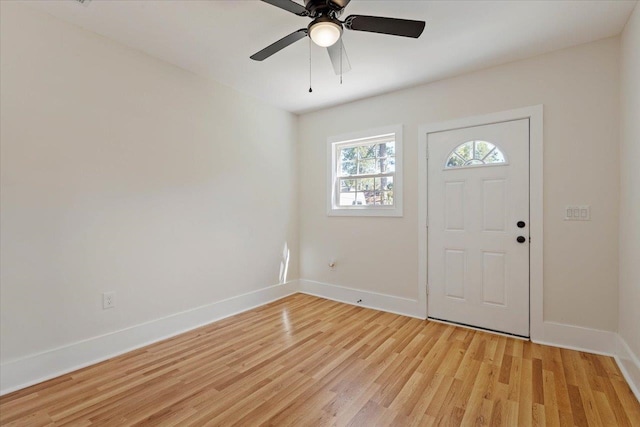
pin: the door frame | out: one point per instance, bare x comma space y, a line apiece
535, 116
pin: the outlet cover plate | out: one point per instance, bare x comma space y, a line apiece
108, 300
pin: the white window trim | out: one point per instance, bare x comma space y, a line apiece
360, 210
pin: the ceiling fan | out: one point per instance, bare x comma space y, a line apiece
326, 29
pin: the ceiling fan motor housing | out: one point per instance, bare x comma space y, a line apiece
320, 8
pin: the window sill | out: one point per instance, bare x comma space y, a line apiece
389, 212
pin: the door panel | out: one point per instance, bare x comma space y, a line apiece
454, 205
455, 266
494, 278
478, 273
493, 204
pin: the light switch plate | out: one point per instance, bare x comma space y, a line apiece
577, 213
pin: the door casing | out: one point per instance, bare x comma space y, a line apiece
535, 116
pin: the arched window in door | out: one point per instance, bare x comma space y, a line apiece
475, 153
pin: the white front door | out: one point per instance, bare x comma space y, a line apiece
478, 226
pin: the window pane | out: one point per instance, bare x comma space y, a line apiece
387, 198
347, 185
465, 151
367, 166
386, 183
455, 161
367, 151
496, 156
365, 184
351, 199
391, 164
482, 149
347, 154
348, 168
370, 198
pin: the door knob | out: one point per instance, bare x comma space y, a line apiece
521, 239
521, 224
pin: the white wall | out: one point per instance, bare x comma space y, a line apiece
630, 185
580, 92
123, 173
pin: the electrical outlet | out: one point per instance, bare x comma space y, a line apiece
108, 300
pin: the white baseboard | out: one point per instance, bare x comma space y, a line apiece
34, 369
578, 338
382, 302
629, 364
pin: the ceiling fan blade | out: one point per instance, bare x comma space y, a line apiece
279, 45
336, 51
289, 6
378, 24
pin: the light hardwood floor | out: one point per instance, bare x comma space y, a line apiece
306, 361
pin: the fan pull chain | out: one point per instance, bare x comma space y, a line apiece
310, 89
341, 53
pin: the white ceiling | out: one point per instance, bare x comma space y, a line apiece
214, 38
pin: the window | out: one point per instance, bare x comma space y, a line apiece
366, 173
475, 153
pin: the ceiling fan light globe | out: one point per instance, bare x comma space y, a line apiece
325, 34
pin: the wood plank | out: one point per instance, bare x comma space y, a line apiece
551, 412
525, 399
